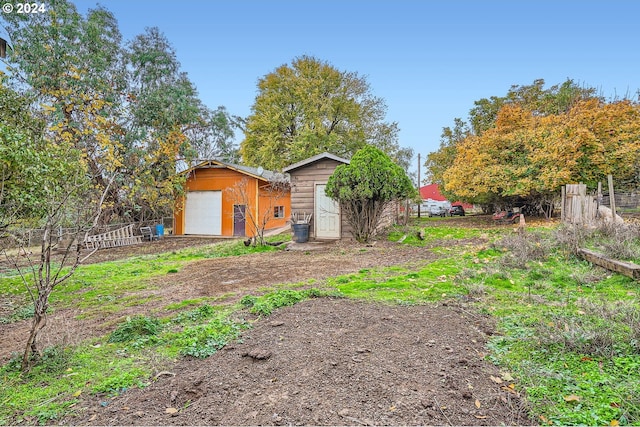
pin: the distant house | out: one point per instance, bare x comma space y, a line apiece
308, 180
432, 198
207, 208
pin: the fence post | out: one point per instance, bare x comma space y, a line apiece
612, 197
563, 202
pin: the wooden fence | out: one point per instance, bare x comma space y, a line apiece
578, 207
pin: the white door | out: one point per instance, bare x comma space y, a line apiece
203, 213
327, 215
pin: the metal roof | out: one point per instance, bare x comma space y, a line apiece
315, 158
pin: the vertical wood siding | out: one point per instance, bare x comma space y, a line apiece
303, 183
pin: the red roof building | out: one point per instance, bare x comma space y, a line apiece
432, 192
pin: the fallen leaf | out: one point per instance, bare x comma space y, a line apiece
614, 404
586, 359
614, 423
506, 376
510, 388
477, 404
496, 380
69, 369
93, 417
77, 393
171, 411
572, 398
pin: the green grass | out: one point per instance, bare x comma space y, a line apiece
568, 333
402, 285
100, 288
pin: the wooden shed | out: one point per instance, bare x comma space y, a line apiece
212, 205
308, 180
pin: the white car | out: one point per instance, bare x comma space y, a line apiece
437, 211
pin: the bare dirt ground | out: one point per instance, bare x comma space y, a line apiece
331, 362
322, 362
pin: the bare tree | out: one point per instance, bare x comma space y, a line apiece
272, 194
73, 206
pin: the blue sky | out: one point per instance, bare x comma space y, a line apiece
429, 60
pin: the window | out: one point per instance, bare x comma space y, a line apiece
278, 212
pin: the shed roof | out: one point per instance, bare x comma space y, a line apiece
313, 159
260, 173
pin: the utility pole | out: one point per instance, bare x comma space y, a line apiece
419, 204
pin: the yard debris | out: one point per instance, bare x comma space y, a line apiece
258, 354
159, 374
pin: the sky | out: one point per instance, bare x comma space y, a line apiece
429, 60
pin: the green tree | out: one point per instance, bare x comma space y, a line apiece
310, 107
366, 187
20, 146
128, 107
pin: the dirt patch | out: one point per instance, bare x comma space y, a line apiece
331, 362
227, 278
321, 362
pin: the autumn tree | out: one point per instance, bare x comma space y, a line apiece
518, 147
91, 132
128, 107
529, 157
366, 187
310, 107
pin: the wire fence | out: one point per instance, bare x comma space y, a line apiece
625, 202
29, 237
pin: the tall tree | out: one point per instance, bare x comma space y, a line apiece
310, 107
528, 156
490, 161
129, 108
20, 148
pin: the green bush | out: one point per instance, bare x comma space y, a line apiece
135, 328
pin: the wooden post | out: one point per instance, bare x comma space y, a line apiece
563, 202
598, 199
612, 198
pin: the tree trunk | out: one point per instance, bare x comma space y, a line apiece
39, 322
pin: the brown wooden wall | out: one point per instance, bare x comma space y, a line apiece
212, 179
303, 182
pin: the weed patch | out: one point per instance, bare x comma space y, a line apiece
139, 329
204, 340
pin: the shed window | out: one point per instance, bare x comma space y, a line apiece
278, 212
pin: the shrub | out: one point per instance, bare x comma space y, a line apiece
135, 328
523, 248
600, 329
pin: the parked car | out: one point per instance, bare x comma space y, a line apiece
437, 211
456, 210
